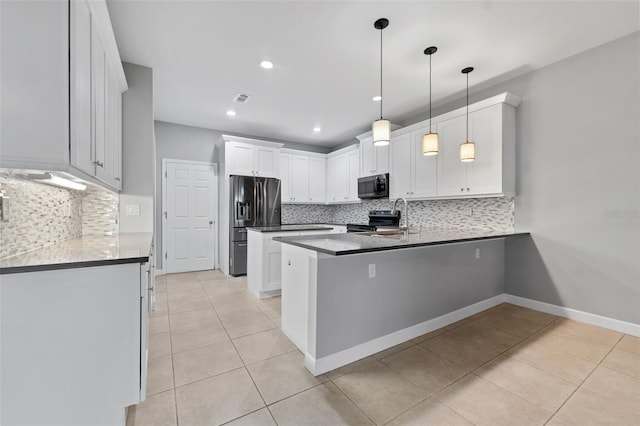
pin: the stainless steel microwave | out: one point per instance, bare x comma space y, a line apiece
374, 186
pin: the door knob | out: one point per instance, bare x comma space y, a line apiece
210, 222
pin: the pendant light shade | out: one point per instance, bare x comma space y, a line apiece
430, 142
381, 128
381, 132
467, 149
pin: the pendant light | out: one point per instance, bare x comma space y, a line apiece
381, 128
467, 149
430, 143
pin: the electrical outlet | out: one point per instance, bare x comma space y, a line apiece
372, 270
133, 209
477, 253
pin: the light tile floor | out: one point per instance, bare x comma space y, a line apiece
217, 356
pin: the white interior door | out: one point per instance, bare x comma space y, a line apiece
190, 215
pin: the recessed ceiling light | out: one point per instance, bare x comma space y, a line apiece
266, 65
316, 129
231, 113
376, 98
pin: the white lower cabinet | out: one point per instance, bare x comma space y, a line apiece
73, 344
264, 259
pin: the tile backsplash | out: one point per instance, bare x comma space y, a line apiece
470, 213
41, 215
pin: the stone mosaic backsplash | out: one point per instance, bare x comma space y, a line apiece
41, 215
494, 214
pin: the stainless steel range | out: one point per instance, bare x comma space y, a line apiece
377, 219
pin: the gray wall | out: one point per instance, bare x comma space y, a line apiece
411, 286
578, 182
179, 142
137, 149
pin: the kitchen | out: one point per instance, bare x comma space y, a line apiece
577, 257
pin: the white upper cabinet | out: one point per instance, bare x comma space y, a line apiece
374, 160
303, 177
70, 84
412, 174
317, 179
343, 170
492, 174
256, 158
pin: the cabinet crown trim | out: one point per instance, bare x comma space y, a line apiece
290, 151
502, 98
231, 138
343, 150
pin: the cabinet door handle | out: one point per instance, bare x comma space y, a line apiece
118, 179
99, 164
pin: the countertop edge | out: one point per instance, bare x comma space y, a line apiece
302, 228
399, 247
71, 265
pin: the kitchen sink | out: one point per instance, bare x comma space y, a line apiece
391, 233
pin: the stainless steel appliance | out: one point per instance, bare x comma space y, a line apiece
377, 219
374, 186
255, 201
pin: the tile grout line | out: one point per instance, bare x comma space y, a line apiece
584, 380
347, 396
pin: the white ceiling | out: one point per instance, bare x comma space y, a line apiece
326, 56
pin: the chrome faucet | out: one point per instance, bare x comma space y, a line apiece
405, 228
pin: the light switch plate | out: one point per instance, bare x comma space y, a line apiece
372, 270
133, 209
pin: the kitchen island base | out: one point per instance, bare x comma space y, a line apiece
339, 309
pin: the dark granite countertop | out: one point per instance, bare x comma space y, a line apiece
93, 250
290, 228
363, 242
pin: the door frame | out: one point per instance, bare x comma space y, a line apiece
214, 201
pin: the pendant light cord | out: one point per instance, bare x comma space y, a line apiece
430, 93
381, 73
467, 107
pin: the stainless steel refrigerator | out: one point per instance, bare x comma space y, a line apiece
255, 201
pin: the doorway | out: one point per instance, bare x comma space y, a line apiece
189, 215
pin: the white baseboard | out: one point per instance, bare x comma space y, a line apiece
333, 361
159, 272
574, 314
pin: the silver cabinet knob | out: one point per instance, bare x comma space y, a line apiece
461, 189
467, 189
210, 222
289, 263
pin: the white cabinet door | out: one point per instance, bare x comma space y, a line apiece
299, 178
241, 159
400, 173
285, 178
317, 179
423, 169
484, 175
332, 195
266, 161
353, 161
374, 159
367, 167
342, 178
381, 154
98, 89
80, 84
451, 171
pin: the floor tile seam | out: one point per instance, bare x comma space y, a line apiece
188, 310
554, 350
408, 409
243, 416
349, 398
441, 401
549, 413
176, 388
266, 359
583, 338
581, 384
493, 348
241, 315
255, 385
420, 387
397, 352
600, 364
297, 393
